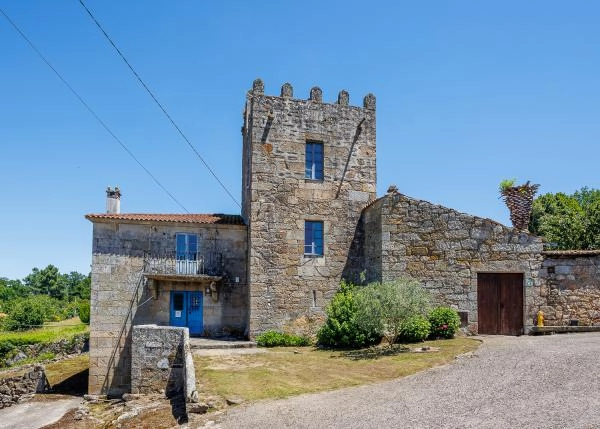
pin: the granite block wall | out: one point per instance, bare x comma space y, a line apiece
445, 250
286, 285
572, 287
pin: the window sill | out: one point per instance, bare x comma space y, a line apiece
307, 180
312, 255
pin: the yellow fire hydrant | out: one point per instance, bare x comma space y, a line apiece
540, 318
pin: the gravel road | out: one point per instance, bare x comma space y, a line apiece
509, 382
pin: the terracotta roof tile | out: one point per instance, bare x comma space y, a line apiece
181, 218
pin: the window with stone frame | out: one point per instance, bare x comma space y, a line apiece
313, 238
314, 161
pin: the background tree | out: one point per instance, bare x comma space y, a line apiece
43, 295
45, 281
568, 221
11, 289
75, 285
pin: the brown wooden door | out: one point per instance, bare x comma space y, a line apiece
500, 303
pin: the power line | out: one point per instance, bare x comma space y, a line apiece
159, 104
87, 106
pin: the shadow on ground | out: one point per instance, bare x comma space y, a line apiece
76, 385
375, 352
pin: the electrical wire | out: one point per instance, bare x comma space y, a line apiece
89, 109
158, 103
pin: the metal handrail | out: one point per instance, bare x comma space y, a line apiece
189, 264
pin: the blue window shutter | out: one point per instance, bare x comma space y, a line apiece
192, 247
318, 237
180, 246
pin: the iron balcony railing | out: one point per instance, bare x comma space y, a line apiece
189, 264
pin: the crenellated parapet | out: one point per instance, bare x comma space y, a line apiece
315, 95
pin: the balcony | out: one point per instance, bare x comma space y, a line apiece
178, 267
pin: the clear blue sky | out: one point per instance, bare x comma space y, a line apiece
468, 93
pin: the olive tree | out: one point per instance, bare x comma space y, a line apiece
386, 306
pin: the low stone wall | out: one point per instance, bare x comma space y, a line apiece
571, 287
161, 362
67, 346
18, 389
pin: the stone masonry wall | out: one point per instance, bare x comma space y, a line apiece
159, 360
572, 287
445, 250
119, 249
18, 389
286, 285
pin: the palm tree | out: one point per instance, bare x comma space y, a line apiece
519, 200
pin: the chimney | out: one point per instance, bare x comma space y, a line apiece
113, 200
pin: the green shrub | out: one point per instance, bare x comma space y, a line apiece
384, 307
84, 312
69, 309
28, 313
445, 321
414, 330
341, 329
32, 311
279, 339
5, 347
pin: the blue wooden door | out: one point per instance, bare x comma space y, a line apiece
186, 310
194, 322
178, 310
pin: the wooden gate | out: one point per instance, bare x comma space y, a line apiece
500, 303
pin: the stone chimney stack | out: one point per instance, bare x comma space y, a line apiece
113, 200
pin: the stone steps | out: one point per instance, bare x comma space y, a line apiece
217, 343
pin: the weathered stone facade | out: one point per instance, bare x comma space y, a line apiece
131, 284
445, 250
285, 284
571, 287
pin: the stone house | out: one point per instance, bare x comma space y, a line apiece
310, 217
165, 269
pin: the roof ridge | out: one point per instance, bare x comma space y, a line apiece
202, 218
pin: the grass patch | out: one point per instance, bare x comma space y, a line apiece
282, 372
69, 376
49, 333
11, 342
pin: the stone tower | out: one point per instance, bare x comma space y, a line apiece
308, 170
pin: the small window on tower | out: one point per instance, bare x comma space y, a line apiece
314, 161
313, 238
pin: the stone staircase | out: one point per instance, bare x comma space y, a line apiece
220, 343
